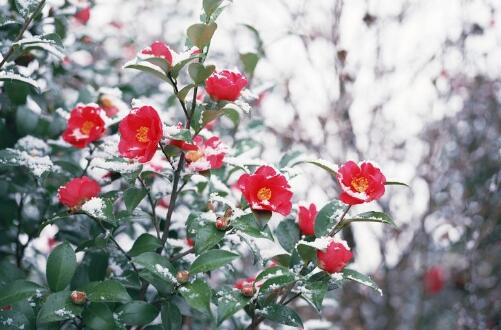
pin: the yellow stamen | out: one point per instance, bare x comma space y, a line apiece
106, 101
194, 155
142, 134
264, 194
360, 184
86, 127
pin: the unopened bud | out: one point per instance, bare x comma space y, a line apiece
183, 276
222, 223
248, 289
78, 297
228, 213
211, 206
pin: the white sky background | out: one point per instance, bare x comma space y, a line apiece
412, 54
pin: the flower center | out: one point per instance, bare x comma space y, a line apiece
86, 127
360, 184
142, 134
264, 194
194, 155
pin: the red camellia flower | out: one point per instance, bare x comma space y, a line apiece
84, 126
240, 283
83, 15
225, 85
361, 183
434, 280
77, 191
306, 219
207, 155
159, 49
335, 257
266, 189
140, 132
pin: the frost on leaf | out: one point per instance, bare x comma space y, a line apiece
33, 146
94, 207
37, 165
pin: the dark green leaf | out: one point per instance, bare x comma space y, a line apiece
171, 316
158, 265
184, 92
207, 236
353, 275
198, 72
315, 292
137, 313
11, 76
396, 183
98, 316
371, 216
17, 291
144, 243
282, 314
108, 291
133, 196
328, 217
58, 307
288, 234
211, 260
229, 302
197, 295
183, 135
250, 61
200, 34
247, 224
61, 266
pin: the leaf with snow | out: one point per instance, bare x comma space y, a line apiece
51, 43
11, 76
58, 307
328, 217
37, 165
27, 7
355, 276
322, 163
371, 216
281, 314
94, 207
229, 301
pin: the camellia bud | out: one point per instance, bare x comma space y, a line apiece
222, 223
183, 276
211, 206
78, 297
248, 289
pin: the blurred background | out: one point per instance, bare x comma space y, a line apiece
413, 85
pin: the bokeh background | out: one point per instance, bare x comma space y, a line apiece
413, 85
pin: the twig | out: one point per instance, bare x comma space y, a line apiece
338, 227
21, 32
153, 207
182, 254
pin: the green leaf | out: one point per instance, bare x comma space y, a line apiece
282, 314
328, 217
8, 271
147, 67
247, 224
51, 43
371, 216
133, 196
249, 61
184, 92
228, 111
396, 183
207, 236
210, 6
61, 266
275, 282
157, 270
137, 313
197, 294
171, 316
98, 316
183, 135
198, 72
58, 307
229, 302
108, 291
273, 272
288, 234
11, 76
17, 291
323, 164
144, 243
180, 65
27, 8
211, 260
314, 293
288, 157
200, 34
353, 275
306, 252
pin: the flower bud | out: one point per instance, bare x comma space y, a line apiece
78, 297
182, 276
248, 289
222, 223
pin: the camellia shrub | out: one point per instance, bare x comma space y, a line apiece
193, 210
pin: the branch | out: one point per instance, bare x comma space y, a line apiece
21, 32
153, 206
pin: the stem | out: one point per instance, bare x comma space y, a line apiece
339, 225
21, 32
89, 160
153, 206
176, 91
182, 254
19, 246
